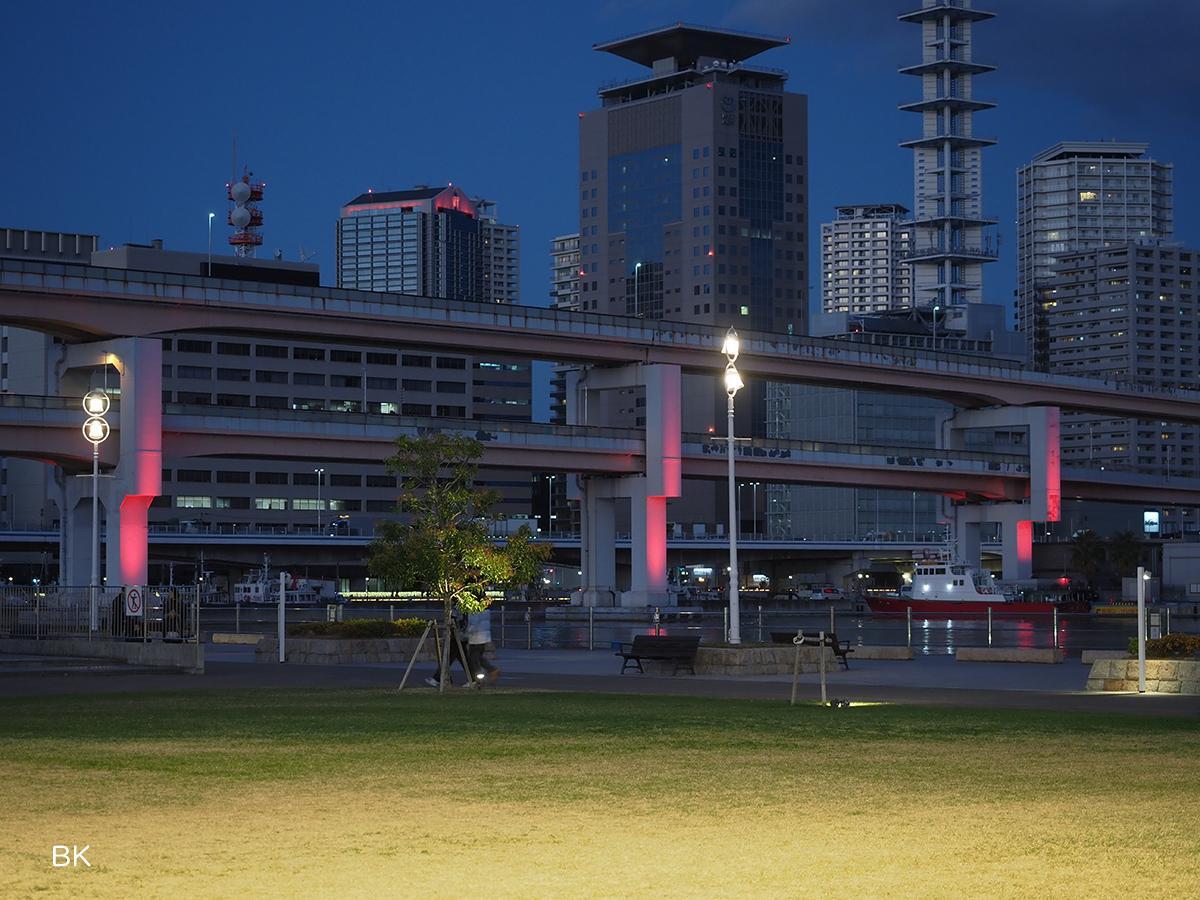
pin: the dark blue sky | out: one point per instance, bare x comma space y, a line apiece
119, 116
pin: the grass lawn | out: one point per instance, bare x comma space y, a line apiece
370, 793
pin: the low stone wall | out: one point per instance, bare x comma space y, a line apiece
1165, 676
1010, 654
768, 659
161, 654
224, 637
341, 651
881, 653
1087, 657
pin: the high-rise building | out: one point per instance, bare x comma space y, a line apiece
564, 294
949, 243
693, 185
864, 259
1082, 195
430, 241
564, 272
1127, 313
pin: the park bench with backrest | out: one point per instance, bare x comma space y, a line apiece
661, 648
841, 649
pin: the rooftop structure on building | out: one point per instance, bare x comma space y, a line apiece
1082, 195
950, 243
864, 259
153, 257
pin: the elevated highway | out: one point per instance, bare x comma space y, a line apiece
47, 428
84, 303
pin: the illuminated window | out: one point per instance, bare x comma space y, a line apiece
193, 502
1085, 196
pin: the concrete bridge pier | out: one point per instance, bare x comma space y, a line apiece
1016, 536
128, 490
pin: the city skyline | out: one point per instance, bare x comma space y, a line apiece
521, 149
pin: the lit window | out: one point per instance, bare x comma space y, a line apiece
1085, 196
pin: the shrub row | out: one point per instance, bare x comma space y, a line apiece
361, 628
1171, 646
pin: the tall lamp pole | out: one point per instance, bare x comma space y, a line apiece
733, 383
637, 268
549, 505
210, 218
95, 430
320, 473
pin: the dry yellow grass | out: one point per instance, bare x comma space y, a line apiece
353, 794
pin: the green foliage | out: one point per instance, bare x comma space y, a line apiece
1170, 646
442, 547
1087, 556
1125, 552
361, 628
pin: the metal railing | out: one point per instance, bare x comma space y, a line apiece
48, 612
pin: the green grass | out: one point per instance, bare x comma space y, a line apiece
303, 792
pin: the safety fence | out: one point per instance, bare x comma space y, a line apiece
152, 613
533, 626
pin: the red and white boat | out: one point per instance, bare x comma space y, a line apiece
944, 587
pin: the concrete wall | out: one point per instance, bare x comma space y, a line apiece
188, 657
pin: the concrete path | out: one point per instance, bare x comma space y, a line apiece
929, 681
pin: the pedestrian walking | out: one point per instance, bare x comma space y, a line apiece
479, 635
454, 635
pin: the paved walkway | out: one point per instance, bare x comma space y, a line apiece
932, 681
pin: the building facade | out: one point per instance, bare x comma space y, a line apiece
431, 242
693, 185
864, 259
1076, 196
1127, 313
950, 240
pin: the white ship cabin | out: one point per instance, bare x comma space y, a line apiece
951, 581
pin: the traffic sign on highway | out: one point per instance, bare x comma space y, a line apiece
133, 603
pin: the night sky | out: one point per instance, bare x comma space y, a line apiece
120, 116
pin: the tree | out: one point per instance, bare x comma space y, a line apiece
1087, 556
442, 546
1125, 551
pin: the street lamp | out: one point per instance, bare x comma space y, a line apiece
210, 218
637, 267
1142, 577
936, 307
95, 430
319, 472
733, 384
550, 504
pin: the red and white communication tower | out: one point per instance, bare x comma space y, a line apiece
244, 216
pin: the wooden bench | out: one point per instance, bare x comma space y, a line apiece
679, 650
841, 649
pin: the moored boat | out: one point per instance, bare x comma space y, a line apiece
944, 587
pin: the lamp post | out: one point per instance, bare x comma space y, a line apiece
95, 430
637, 268
549, 504
1142, 577
210, 218
936, 307
733, 383
320, 473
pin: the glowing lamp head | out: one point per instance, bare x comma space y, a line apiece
731, 346
95, 403
733, 381
95, 430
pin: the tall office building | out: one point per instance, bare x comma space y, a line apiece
1082, 195
1127, 313
864, 259
430, 241
949, 244
693, 185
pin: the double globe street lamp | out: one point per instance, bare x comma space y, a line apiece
733, 384
95, 430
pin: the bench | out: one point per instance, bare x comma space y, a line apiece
679, 650
841, 649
